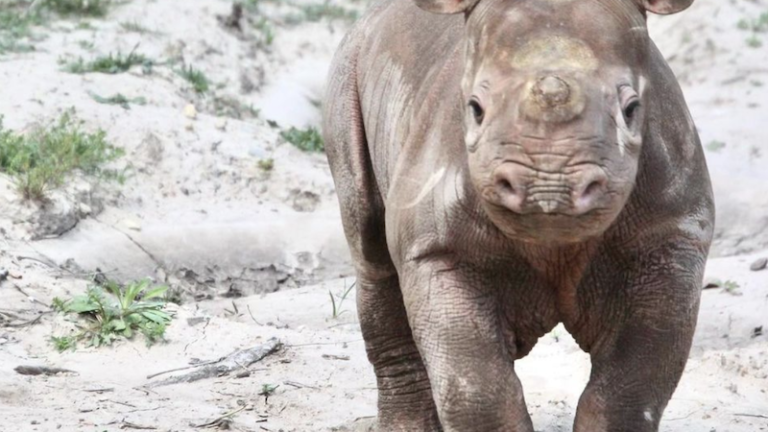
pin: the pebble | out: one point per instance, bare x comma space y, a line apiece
221, 124
760, 264
190, 111
132, 224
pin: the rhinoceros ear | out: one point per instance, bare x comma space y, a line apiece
665, 7
446, 6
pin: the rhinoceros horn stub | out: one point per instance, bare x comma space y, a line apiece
551, 91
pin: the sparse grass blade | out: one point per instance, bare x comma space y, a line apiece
195, 77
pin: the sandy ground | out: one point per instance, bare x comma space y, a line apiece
261, 251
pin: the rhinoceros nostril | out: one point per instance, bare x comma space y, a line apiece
590, 196
593, 188
506, 186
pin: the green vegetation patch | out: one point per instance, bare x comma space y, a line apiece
16, 22
308, 139
110, 64
94, 8
119, 99
200, 83
110, 312
318, 12
42, 159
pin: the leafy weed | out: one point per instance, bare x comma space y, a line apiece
110, 312
308, 139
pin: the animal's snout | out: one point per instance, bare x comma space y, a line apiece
524, 190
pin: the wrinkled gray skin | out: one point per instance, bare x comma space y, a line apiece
504, 166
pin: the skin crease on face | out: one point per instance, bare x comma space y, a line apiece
503, 166
554, 117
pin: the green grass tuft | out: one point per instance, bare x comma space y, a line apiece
135, 27
16, 22
110, 312
308, 139
119, 99
111, 64
94, 8
42, 159
195, 77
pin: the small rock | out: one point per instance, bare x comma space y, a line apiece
132, 224
712, 283
221, 124
759, 265
193, 321
85, 209
15, 275
190, 111
757, 332
189, 126
3, 274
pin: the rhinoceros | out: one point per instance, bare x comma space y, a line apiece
504, 166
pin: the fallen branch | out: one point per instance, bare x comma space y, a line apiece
40, 370
224, 366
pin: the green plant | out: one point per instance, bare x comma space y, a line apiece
266, 164
316, 12
731, 287
110, 312
267, 32
42, 159
715, 146
337, 310
308, 139
119, 99
754, 41
64, 343
95, 8
757, 25
16, 22
110, 64
197, 78
135, 27
268, 390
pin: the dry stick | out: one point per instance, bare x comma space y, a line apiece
760, 416
230, 363
186, 367
32, 299
28, 323
219, 419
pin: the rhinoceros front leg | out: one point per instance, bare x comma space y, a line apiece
455, 318
646, 334
405, 397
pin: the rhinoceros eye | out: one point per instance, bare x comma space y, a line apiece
630, 102
477, 111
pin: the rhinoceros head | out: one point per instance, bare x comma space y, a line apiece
554, 93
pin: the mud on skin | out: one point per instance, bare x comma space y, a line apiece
504, 166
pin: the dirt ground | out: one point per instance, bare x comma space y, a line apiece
256, 253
